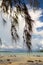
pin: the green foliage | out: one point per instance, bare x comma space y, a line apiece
0, 42
41, 51
20, 7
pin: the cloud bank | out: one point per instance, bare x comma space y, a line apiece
37, 36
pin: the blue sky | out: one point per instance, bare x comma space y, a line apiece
37, 35
41, 4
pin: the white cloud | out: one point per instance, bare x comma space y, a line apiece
41, 42
35, 16
37, 23
3, 46
37, 43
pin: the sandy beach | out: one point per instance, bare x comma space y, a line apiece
21, 60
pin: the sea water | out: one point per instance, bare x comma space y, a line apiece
3, 53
